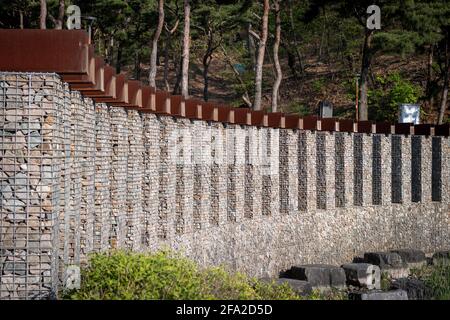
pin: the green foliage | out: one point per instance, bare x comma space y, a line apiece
332, 294
437, 278
426, 19
385, 281
389, 92
248, 83
120, 275
396, 42
298, 108
318, 85
349, 87
402, 91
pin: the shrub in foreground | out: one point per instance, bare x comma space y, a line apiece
119, 275
437, 278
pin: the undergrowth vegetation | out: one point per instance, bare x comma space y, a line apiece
122, 275
437, 278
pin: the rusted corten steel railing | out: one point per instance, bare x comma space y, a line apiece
70, 54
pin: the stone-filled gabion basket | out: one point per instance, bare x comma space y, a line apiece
103, 155
31, 155
118, 178
135, 170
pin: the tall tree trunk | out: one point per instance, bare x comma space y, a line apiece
251, 47
166, 62
245, 95
43, 15
205, 78
276, 46
169, 33
206, 62
291, 62
21, 19
363, 108
445, 87
178, 68
154, 45
111, 49
444, 99
260, 60
60, 20
137, 66
430, 99
119, 58
186, 46
294, 35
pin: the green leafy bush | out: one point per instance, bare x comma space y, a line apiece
389, 92
120, 275
402, 91
349, 86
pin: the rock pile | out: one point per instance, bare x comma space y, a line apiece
362, 280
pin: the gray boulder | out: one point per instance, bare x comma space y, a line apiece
441, 257
416, 289
389, 262
363, 275
413, 258
379, 295
384, 259
320, 276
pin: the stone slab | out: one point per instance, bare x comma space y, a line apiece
416, 289
319, 275
441, 257
389, 262
363, 275
412, 257
379, 295
384, 259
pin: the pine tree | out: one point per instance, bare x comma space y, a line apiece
213, 25
430, 22
262, 38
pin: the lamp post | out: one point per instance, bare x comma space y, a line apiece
90, 21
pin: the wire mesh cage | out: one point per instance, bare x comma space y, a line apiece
102, 176
31, 140
119, 140
135, 217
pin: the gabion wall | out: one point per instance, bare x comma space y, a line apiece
78, 177
33, 181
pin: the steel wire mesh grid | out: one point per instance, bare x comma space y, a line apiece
30, 148
66, 213
102, 175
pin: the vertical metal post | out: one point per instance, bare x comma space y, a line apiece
357, 94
